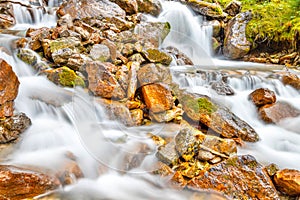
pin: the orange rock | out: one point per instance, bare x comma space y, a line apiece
291, 79
288, 181
9, 85
262, 96
19, 183
157, 98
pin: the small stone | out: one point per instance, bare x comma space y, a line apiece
233, 8
156, 56
292, 80
222, 88
262, 96
288, 181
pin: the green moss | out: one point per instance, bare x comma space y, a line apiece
156, 56
200, 105
68, 77
273, 20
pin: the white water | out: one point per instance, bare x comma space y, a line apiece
68, 120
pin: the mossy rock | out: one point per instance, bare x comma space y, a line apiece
61, 43
64, 76
28, 56
157, 56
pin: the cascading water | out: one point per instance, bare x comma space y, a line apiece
68, 121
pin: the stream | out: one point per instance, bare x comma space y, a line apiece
69, 121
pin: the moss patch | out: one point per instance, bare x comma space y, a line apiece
200, 105
273, 20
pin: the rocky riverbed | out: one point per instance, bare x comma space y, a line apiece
111, 51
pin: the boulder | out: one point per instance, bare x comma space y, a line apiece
262, 96
157, 56
157, 97
9, 85
292, 80
37, 35
152, 7
64, 76
148, 74
153, 32
100, 52
175, 114
180, 58
236, 44
239, 177
233, 8
132, 80
130, 6
202, 109
222, 88
273, 113
72, 43
102, 81
90, 9
28, 56
12, 127
287, 181
20, 183
212, 10
7, 18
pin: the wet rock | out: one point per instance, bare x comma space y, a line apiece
153, 32
287, 181
69, 173
273, 113
233, 8
20, 183
156, 56
157, 97
90, 9
217, 26
239, 177
64, 76
222, 88
12, 127
218, 118
9, 85
72, 43
235, 44
137, 116
28, 56
262, 96
168, 154
174, 114
130, 6
102, 82
37, 36
6, 15
180, 58
100, 52
212, 10
152, 7
292, 80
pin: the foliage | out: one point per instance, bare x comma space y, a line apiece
273, 20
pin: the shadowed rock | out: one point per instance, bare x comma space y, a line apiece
288, 181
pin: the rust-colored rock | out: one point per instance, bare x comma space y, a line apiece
152, 7
7, 18
273, 113
202, 109
70, 172
12, 127
90, 9
239, 177
9, 85
157, 98
19, 183
262, 96
288, 181
233, 8
292, 80
102, 82
130, 6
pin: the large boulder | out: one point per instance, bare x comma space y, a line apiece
20, 183
12, 127
236, 44
7, 18
218, 118
102, 81
288, 181
9, 85
158, 98
273, 113
239, 177
130, 6
152, 7
262, 96
90, 9
212, 10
